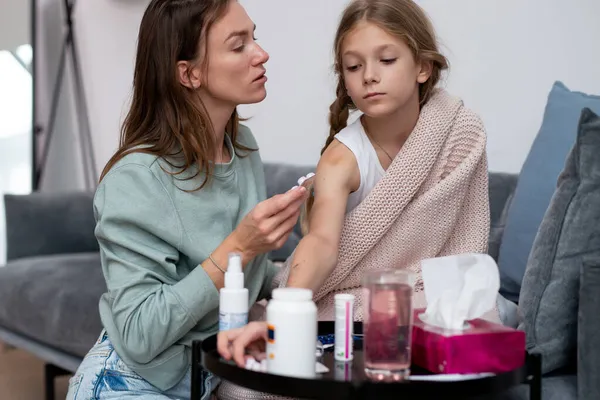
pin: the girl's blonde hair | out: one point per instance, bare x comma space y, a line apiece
403, 19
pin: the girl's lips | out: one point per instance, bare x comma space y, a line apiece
374, 94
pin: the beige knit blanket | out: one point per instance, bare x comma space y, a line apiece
432, 202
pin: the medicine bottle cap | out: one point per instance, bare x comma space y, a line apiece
234, 277
344, 297
292, 294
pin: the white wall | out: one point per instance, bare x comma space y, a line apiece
505, 55
14, 23
63, 167
15, 108
107, 35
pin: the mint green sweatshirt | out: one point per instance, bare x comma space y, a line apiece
152, 238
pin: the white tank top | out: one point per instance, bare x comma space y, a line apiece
355, 138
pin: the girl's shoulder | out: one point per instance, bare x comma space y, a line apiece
354, 130
354, 138
339, 163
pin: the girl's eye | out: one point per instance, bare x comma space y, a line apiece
352, 68
388, 60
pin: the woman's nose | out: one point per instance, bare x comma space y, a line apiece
261, 55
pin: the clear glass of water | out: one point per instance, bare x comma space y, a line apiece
387, 324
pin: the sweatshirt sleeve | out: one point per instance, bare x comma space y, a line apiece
139, 233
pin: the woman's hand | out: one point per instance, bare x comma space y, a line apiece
235, 343
268, 225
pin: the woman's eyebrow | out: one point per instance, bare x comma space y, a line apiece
244, 32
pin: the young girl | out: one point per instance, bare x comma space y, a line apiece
406, 180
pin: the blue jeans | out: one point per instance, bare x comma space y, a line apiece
103, 375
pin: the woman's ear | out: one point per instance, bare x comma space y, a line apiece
425, 71
188, 75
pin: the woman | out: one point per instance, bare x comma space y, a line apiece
184, 189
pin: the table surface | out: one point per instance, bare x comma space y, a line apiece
348, 380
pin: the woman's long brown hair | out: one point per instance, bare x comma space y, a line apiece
166, 118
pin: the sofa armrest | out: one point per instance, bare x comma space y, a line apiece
501, 189
48, 223
588, 326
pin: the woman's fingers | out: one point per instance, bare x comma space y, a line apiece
282, 232
224, 339
278, 203
253, 332
259, 356
293, 209
257, 352
233, 343
281, 220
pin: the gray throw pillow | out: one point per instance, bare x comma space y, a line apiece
588, 326
549, 296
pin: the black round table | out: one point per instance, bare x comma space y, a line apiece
348, 380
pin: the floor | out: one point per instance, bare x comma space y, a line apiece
22, 376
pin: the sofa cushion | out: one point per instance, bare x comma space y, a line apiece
537, 182
588, 325
41, 223
550, 290
54, 299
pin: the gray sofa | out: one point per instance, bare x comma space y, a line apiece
50, 287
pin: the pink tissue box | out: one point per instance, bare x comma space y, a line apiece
483, 347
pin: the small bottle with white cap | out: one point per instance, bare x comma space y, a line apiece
233, 297
292, 333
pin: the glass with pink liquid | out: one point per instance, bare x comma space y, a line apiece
387, 324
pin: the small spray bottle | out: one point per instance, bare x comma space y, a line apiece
233, 297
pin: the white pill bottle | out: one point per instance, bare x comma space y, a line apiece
292, 333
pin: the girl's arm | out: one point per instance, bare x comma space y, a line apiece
337, 175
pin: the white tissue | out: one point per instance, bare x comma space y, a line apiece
261, 366
459, 288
